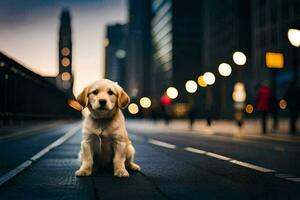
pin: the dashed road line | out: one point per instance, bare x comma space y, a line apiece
193, 150
12, 173
251, 166
225, 158
162, 144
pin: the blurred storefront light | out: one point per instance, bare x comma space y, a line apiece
145, 102
209, 78
201, 82
282, 104
239, 93
274, 60
249, 109
191, 86
294, 37
239, 58
224, 69
172, 92
133, 108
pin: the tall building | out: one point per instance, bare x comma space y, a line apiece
138, 48
115, 53
177, 38
271, 22
64, 78
227, 30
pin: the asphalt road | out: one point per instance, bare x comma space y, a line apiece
174, 166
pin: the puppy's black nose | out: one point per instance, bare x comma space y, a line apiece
102, 102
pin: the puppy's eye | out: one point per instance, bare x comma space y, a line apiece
95, 92
110, 92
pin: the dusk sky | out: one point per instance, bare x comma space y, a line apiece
29, 34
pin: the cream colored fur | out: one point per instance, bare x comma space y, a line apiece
108, 123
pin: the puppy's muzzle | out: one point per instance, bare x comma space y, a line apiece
102, 102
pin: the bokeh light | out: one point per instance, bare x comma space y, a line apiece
224, 69
65, 51
65, 62
133, 108
65, 76
209, 78
239, 58
172, 92
282, 104
145, 102
249, 108
191, 86
201, 82
294, 37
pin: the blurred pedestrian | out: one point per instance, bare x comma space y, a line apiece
192, 115
293, 100
263, 103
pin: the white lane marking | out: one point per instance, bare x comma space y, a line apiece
251, 166
162, 144
218, 156
221, 157
295, 179
193, 150
12, 173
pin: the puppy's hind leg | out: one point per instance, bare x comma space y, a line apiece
130, 159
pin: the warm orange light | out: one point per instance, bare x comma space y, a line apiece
282, 104
74, 104
65, 62
201, 82
274, 60
65, 76
65, 51
249, 108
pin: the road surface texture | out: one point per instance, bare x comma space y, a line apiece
175, 165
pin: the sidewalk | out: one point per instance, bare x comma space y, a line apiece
250, 129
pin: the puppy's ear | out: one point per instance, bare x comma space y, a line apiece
82, 98
123, 98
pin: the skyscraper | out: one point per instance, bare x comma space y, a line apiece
115, 53
64, 78
139, 48
177, 38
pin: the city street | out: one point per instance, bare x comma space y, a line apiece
176, 164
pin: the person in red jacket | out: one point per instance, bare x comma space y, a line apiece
263, 103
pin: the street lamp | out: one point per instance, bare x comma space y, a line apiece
191, 86
239, 58
225, 69
172, 92
209, 78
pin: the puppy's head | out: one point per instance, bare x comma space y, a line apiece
103, 98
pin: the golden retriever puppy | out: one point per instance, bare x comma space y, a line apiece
104, 133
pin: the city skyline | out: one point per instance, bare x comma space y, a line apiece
27, 25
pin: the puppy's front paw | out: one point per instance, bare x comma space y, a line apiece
82, 172
121, 173
134, 167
